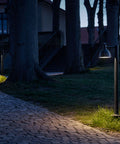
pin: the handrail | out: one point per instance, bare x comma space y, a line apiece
49, 40
49, 49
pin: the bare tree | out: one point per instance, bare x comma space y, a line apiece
74, 59
112, 21
24, 40
100, 22
91, 19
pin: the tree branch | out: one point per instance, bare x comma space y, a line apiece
87, 4
56, 3
95, 4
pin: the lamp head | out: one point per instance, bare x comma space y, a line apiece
105, 53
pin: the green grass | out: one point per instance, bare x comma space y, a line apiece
86, 97
104, 118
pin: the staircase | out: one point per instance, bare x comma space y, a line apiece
49, 48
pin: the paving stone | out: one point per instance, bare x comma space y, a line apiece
24, 123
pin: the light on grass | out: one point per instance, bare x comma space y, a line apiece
2, 78
103, 119
96, 68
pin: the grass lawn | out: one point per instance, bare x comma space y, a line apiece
86, 97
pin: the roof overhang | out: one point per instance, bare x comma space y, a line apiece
3, 2
50, 3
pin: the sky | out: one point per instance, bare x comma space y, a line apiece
83, 13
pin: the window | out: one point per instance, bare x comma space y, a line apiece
3, 24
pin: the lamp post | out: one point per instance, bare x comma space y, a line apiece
116, 75
105, 53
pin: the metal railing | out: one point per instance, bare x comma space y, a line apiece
49, 49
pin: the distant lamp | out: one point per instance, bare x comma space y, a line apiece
105, 53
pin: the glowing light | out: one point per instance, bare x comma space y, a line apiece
105, 53
105, 57
2, 78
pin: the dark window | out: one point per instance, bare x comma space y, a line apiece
0, 26
3, 24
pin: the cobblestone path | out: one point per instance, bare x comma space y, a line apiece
25, 123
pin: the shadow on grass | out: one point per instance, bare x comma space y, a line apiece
77, 95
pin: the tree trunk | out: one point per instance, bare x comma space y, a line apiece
91, 20
91, 28
56, 5
74, 59
24, 39
12, 29
100, 22
112, 22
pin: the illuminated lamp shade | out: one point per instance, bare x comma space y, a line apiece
105, 53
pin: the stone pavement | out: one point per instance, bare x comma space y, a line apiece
24, 123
